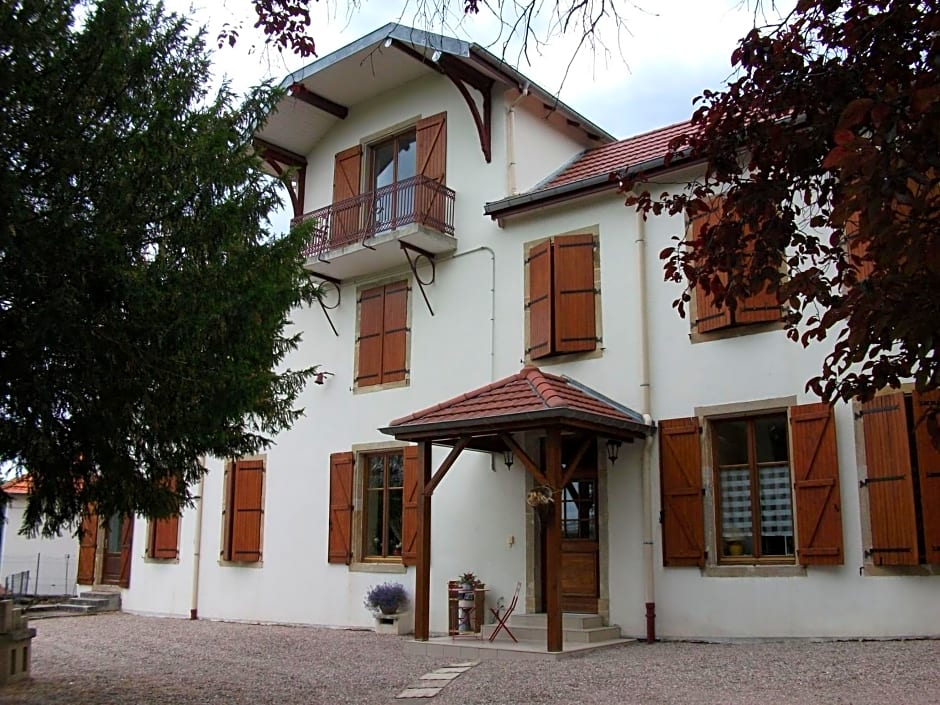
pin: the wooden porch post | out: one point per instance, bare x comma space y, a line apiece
423, 572
553, 470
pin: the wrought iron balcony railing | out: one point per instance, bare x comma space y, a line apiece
417, 200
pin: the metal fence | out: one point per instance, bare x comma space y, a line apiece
36, 574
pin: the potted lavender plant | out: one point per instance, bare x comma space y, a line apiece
386, 598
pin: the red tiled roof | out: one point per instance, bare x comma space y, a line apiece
529, 390
618, 155
18, 485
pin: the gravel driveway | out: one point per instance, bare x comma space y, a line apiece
120, 659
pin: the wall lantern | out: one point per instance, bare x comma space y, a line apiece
613, 450
508, 458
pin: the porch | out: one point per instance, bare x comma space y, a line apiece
553, 426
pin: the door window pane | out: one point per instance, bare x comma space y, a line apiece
383, 505
115, 524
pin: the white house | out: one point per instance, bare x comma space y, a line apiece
34, 565
476, 253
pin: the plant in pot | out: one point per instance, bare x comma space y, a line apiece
386, 598
465, 602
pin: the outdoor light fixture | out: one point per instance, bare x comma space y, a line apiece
388, 43
613, 450
436, 56
508, 458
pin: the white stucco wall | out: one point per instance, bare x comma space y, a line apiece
477, 510
56, 558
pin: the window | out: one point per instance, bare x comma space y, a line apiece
902, 480
562, 294
382, 505
163, 541
382, 344
761, 307
755, 518
392, 163
752, 480
244, 511
377, 504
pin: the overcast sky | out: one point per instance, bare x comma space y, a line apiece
649, 74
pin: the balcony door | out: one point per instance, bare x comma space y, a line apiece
393, 166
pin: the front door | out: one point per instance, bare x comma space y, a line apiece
580, 567
116, 567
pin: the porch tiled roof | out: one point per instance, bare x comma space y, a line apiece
617, 155
18, 485
529, 390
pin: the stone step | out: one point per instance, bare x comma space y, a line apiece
590, 635
570, 620
102, 600
59, 607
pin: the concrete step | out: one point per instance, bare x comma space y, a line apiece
538, 635
104, 601
570, 620
59, 607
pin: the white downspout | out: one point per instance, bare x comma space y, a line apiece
197, 549
649, 582
484, 248
511, 142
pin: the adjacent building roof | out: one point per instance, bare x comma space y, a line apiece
18, 485
530, 398
591, 170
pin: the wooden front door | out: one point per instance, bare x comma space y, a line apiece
116, 568
580, 567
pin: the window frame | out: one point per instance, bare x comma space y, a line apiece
753, 467
365, 459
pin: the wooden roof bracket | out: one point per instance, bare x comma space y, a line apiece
275, 157
304, 94
461, 76
339, 299
407, 248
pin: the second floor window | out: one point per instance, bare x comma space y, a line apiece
392, 162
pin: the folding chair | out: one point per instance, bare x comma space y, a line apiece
505, 616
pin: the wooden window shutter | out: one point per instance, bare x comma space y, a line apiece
889, 483
761, 307
164, 538
347, 171
247, 511
395, 332
816, 472
680, 467
928, 467
574, 296
127, 540
371, 333
540, 300
339, 549
857, 248
409, 514
708, 316
431, 156
87, 547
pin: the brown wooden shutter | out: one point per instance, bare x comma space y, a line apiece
680, 467
127, 541
761, 307
890, 484
371, 334
87, 548
164, 538
540, 300
395, 332
247, 511
409, 514
339, 549
708, 316
816, 472
858, 248
347, 174
573, 287
431, 156
928, 467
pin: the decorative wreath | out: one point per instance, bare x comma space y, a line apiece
540, 496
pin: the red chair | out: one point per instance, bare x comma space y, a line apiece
501, 620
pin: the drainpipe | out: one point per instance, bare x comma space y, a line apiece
649, 581
511, 141
197, 548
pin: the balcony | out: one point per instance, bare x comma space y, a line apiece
361, 235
